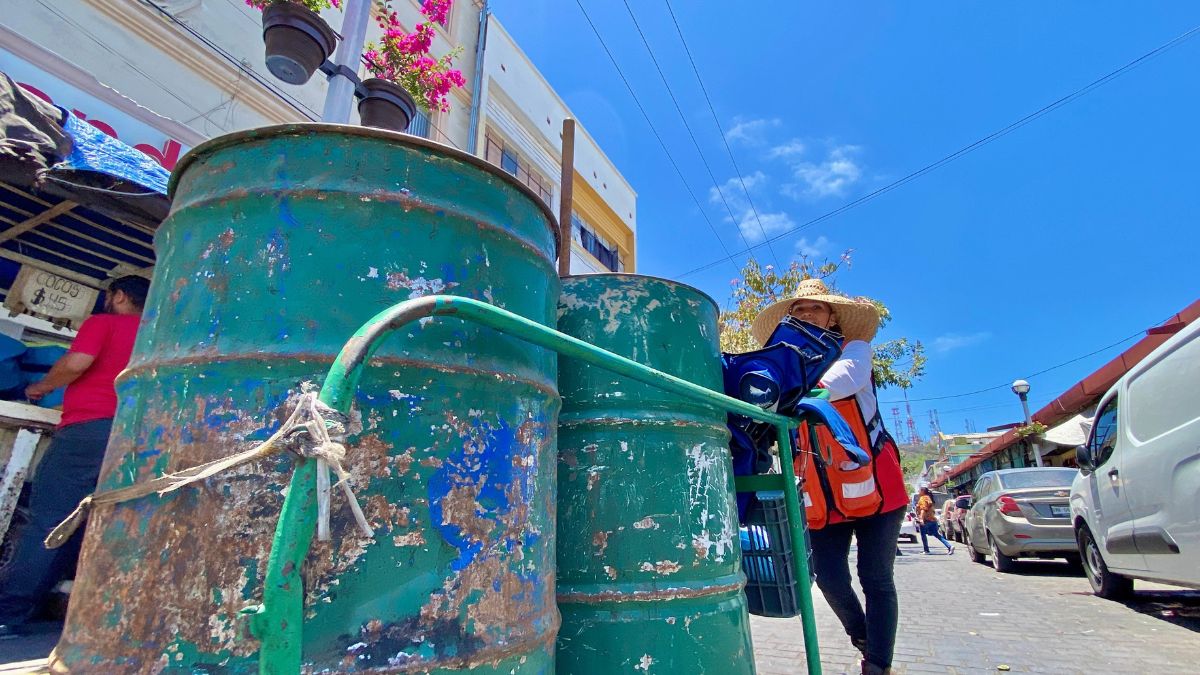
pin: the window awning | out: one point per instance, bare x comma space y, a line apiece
1071, 433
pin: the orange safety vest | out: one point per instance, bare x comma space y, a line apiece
835, 488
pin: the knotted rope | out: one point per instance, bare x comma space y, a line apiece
308, 416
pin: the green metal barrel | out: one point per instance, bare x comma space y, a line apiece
649, 559
282, 241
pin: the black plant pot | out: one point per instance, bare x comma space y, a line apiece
297, 40
385, 105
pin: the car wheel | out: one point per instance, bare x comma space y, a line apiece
1106, 584
1001, 562
976, 556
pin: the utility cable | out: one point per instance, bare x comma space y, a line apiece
1027, 377
1095, 84
291, 101
703, 159
721, 130
728, 256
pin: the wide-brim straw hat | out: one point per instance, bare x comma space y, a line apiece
858, 319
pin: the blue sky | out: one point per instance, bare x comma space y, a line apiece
1065, 236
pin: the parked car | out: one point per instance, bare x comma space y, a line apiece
908, 528
955, 530
1021, 513
1134, 504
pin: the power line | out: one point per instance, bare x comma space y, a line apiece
133, 66
721, 130
728, 256
703, 159
294, 103
1027, 377
1095, 84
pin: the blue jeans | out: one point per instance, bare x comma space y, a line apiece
931, 529
66, 475
876, 536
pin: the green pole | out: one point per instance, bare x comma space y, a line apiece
278, 623
796, 521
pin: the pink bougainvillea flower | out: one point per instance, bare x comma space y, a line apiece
404, 57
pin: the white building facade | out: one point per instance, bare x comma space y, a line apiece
165, 75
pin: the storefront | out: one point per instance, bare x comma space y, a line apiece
77, 209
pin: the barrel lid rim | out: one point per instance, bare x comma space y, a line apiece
651, 277
356, 130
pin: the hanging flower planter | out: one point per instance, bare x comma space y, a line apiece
385, 105
297, 39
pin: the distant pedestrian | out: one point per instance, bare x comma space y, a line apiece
927, 515
851, 388
69, 471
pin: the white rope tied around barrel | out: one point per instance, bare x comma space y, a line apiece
308, 415
329, 456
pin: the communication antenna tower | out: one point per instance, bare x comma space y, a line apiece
914, 438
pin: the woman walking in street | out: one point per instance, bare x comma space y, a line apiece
927, 516
869, 508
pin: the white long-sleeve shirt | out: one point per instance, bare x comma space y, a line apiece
851, 376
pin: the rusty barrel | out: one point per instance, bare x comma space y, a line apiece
281, 242
649, 561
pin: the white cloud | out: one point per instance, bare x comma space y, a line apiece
813, 249
829, 178
771, 224
793, 148
949, 342
732, 189
750, 132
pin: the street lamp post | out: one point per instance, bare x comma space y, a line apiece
1021, 389
339, 98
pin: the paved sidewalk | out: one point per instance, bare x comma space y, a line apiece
960, 617
956, 617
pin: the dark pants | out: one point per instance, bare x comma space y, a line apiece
66, 475
876, 536
930, 529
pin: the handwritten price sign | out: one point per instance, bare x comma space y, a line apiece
41, 292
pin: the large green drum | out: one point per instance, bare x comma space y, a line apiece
649, 559
281, 242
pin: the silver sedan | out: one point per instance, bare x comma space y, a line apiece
1021, 513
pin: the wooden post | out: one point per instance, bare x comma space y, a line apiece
567, 197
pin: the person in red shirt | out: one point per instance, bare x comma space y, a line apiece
71, 466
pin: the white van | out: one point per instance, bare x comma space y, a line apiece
1136, 502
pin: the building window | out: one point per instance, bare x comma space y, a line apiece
600, 248
420, 126
508, 162
505, 156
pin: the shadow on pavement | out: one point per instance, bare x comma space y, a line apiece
1047, 568
1181, 608
35, 642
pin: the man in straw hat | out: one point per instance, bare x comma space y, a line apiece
869, 507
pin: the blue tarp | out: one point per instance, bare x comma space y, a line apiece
94, 151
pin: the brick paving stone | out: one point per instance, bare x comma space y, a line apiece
960, 617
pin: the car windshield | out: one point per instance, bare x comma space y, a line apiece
1046, 478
